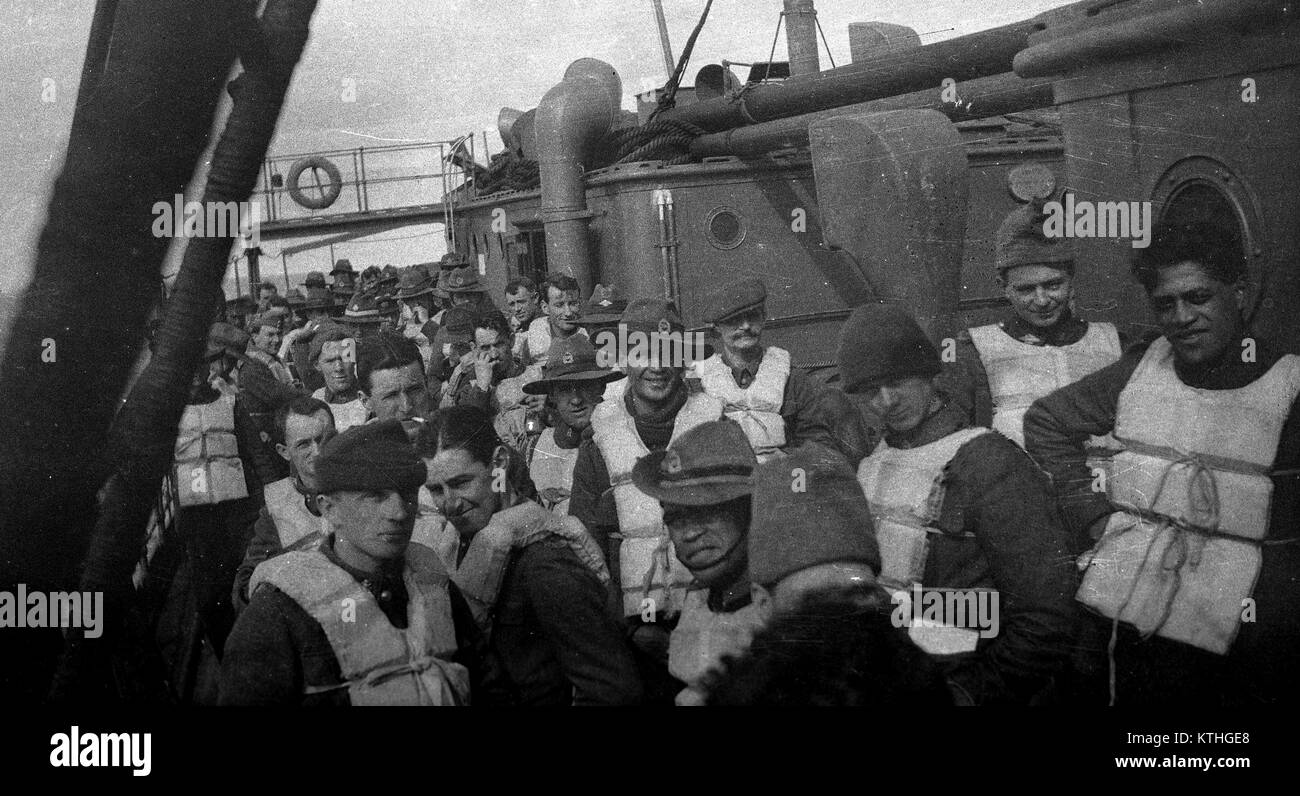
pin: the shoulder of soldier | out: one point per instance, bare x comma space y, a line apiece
991, 458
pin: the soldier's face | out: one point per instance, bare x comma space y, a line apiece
268, 339
398, 393
652, 382
1200, 316
901, 404
563, 308
335, 369
709, 540
1039, 294
742, 332
462, 489
522, 305
461, 299
303, 437
372, 527
574, 401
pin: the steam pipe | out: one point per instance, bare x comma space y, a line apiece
977, 99
970, 57
571, 120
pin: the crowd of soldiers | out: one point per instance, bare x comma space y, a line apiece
420, 499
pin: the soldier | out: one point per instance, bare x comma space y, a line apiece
265, 291
289, 511
958, 508
362, 315
361, 616
522, 308
416, 300
536, 583
1197, 524
295, 348
333, 355
466, 291
654, 409
561, 303
703, 481
1041, 344
238, 310
390, 375
476, 376
344, 281
573, 383
777, 406
264, 347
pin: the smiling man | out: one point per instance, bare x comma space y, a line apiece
1206, 484
703, 483
561, 306
1041, 345
361, 616
957, 507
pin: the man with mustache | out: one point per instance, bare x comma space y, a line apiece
703, 482
1040, 345
1197, 524
561, 304
654, 409
777, 405
574, 384
957, 507
360, 616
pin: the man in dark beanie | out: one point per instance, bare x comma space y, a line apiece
959, 509
326, 617
703, 482
1039, 345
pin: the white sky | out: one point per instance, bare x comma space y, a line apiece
424, 70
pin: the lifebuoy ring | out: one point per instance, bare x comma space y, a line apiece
329, 191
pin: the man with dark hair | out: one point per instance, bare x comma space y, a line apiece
390, 375
1040, 345
289, 510
960, 509
475, 378
521, 308
703, 482
1197, 523
361, 616
562, 302
265, 291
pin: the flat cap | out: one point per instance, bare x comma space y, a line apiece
808, 509
371, 456
733, 299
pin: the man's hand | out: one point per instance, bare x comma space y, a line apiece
483, 371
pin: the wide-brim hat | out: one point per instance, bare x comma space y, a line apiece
463, 280
343, 267
710, 464
314, 279
457, 326
415, 282
571, 359
604, 306
318, 298
362, 309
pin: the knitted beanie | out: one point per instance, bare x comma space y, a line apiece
881, 342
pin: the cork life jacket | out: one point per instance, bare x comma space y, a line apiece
648, 568
346, 415
292, 519
1194, 488
381, 664
207, 469
703, 636
1020, 373
552, 468
905, 489
757, 408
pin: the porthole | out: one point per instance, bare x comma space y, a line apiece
725, 228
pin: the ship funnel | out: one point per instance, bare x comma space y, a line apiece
869, 40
